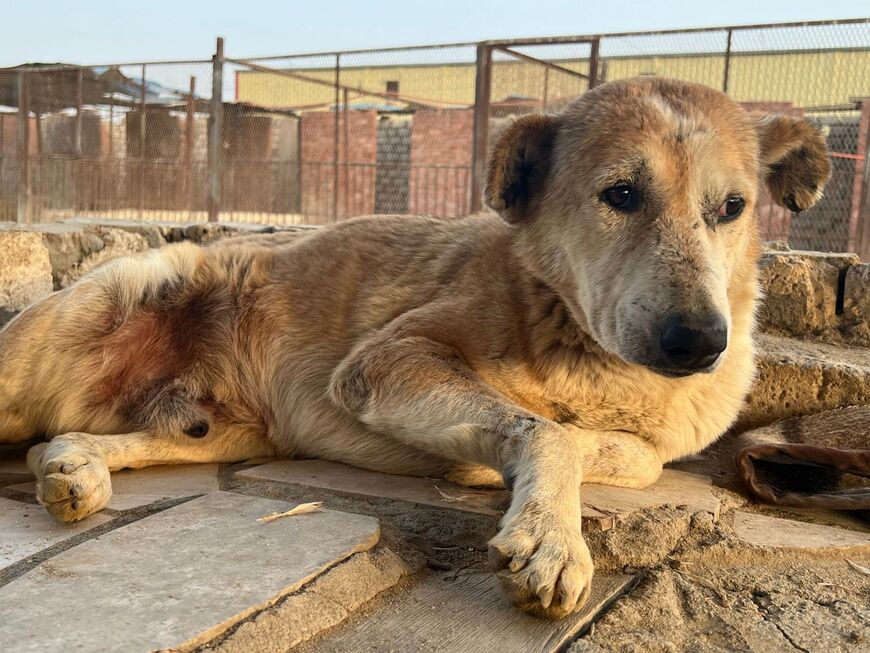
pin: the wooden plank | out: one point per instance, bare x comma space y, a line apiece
601, 503
762, 530
674, 487
466, 615
362, 482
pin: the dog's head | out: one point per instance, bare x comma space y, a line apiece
638, 202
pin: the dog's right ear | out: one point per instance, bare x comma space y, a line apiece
518, 166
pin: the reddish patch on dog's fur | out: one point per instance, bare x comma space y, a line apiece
156, 345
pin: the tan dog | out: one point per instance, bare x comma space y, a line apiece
601, 327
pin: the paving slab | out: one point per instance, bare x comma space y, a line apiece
362, 482
26, 528
177, 578
326, 602
467, 614
797, 377
762, 530
14, 471
602, 503
673, 487
132, 488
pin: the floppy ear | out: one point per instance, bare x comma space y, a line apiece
518, 166
794, 160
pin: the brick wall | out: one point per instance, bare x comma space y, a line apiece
440, 179
357, 156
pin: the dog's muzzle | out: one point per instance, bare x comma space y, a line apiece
691, 345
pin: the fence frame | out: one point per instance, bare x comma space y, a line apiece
859, 237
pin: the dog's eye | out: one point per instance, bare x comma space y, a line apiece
621, 197
730, 209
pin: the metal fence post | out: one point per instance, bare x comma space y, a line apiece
593, 63
189, 117
480, 136
215, 133
335, 139
142, 127
861, 242
727, 63
79, 99
23, 214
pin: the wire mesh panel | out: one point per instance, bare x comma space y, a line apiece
105, 141
318, 138
384, 131
819, 72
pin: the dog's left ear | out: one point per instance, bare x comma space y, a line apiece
519, 165
794, 160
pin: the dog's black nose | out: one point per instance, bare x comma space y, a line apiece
693, 344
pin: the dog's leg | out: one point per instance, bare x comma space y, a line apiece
421, 393
617, 458
72, 470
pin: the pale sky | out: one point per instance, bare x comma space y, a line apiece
107, 31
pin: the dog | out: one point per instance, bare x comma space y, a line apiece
596, 323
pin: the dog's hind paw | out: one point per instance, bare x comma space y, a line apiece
543, 569
71, 481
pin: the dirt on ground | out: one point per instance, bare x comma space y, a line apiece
712, 592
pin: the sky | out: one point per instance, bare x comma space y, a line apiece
108, 31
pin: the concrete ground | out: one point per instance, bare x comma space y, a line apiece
179, 561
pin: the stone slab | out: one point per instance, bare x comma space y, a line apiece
326, 602
14, 471
132, 488
465, 615
177, 578
25, 275
797, 377
762, 530
674, 487
601, 502
361, 482
26, 528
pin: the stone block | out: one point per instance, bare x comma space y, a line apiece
25, 275
177, 579
761, 530
132, 488
27, 528
801, 378
800, 291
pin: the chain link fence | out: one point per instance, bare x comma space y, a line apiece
318, 138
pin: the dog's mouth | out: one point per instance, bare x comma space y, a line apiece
676, 373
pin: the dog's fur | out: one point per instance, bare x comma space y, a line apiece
525, 344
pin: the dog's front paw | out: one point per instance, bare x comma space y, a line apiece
543, 565
71, 482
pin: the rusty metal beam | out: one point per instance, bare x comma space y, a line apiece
323, 82
480, 135
78, 133
215, 133
542, 62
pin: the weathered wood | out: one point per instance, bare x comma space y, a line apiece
601, 503
762, 530
361, 482
466, 615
